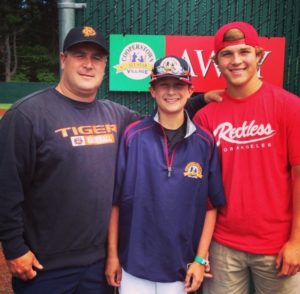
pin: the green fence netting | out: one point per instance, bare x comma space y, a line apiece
274, 18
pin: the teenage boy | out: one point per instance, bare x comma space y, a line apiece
168, 172
257, 132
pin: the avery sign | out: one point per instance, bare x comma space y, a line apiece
132, 57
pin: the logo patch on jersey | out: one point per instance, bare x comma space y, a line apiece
92, 140
89, 135
193, 170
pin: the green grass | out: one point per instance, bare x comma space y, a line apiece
3, 108
5, 105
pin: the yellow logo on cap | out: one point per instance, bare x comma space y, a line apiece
193, 170
88, 32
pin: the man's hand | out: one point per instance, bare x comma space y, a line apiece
288, 259
213, 96
24, 267
113, 272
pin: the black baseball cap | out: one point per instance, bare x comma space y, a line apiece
171, 67
84, 34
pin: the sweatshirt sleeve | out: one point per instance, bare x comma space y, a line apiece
195, 103
17, 153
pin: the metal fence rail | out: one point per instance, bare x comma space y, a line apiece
195, 17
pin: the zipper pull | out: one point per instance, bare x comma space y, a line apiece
169, 171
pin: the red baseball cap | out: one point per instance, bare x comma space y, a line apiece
250, 35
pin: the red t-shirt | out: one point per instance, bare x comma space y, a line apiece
259, 140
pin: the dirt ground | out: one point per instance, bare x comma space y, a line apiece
5, 277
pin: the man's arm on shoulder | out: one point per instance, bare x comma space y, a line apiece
288, 259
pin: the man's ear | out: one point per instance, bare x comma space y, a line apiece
62, 57
259, 53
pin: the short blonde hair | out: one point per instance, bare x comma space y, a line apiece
233, 34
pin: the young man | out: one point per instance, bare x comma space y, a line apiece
168, 171
57, 167
257, 132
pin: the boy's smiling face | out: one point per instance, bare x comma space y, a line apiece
171, 94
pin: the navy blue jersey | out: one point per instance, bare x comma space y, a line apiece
163, 198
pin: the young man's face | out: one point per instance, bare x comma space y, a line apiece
171, 94
238, 64
83, 69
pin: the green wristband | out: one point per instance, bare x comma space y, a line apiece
201, 260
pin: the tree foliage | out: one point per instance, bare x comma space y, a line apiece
29, 40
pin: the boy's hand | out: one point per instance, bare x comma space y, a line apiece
194, 277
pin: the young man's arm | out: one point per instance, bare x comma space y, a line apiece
196, 271
113, 270
288, 259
